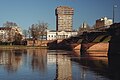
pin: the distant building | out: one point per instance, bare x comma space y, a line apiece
84, 28
7, 34
84, 25
103, 22
64, 18
53, 35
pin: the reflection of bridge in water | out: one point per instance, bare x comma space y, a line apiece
98, 65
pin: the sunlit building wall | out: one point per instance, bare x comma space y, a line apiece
64, 18
103, 22
53, 35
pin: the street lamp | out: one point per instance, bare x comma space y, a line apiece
114, 6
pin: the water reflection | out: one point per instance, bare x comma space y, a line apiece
63, 67
38, 59
10, 59
114, 66
98, 65
21, 61
43, 64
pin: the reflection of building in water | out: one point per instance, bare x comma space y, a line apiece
63, 65
10, 59
64, 69
38, 59
3, 58
51, 58
83, 73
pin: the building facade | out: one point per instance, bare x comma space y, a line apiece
64, 18
7, 34
53, 35
103, 22
84, 28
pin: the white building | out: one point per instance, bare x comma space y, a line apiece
103, 22
53, 35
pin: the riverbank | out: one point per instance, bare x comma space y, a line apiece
21, 47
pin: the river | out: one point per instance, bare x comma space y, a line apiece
43, 64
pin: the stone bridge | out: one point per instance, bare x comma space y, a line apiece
101, 41
95, 42
91, 41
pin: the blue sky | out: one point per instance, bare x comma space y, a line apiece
27, 12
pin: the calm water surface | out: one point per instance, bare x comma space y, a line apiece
43, 64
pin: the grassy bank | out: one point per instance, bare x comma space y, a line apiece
20, 47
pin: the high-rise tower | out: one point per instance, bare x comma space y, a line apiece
64, 18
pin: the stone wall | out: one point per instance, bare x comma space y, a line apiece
37, 43
94, 49
98, 47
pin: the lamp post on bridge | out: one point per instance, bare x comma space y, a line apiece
114, 6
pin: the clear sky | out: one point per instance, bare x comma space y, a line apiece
27, 12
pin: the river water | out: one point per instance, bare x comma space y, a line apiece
43, 64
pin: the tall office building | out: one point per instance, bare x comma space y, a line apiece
64, 18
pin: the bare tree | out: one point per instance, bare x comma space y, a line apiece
38, 31
18, 38
11, 30
9, 24
11, 35
25, 33
34, 31
43, 30
1, 37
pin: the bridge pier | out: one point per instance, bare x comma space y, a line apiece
114, 51
92, 44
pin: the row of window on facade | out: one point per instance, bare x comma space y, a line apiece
65, 21
64, 17
52, 35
